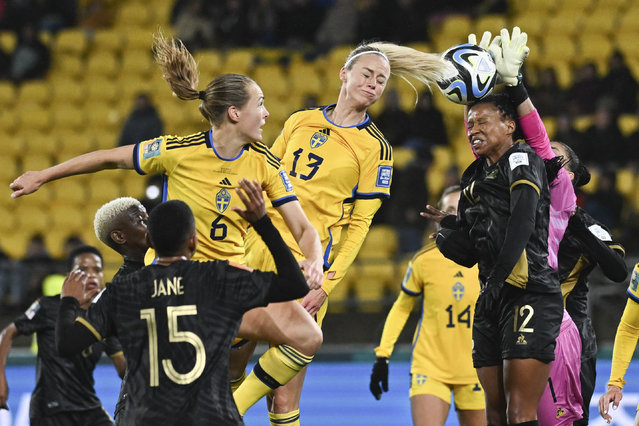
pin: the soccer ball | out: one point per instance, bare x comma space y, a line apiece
472, 75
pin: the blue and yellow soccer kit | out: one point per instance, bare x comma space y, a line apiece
332, 168
196, 174
442, 343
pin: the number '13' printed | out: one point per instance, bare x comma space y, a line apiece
314, 162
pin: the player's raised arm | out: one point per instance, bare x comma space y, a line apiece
290, 283
116, 158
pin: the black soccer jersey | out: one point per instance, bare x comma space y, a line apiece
176, 324
62, 384
484, 212
576, 261
128, 267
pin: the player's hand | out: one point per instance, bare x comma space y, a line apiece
433, 213
613, 395
73, 286
4, 392
25, 184
510, 55
313, 272
379, 375
490, 295
313, 301
485, 40
251, 195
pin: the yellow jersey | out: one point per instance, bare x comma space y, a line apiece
195, 173
331, 167
442, 343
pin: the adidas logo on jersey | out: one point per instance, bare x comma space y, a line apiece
225, 181
458, 275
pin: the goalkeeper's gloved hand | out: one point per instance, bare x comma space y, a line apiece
485, 40
509, 55
379, 375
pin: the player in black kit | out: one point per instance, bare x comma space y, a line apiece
176, 319
64, 392
502, 224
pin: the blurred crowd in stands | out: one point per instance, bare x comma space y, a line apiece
316, 26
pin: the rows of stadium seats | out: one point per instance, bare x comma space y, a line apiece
95, 75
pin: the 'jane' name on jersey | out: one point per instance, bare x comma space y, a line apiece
172, 286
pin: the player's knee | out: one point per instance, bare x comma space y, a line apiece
494, 417
314, 341
283, 402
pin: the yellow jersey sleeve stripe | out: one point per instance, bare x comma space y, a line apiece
524, 182
619, 248
270, 158
383, 139
384, 153
90, 327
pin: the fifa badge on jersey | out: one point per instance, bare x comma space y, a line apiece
286, 181
319, 138
518, 159
33, 309
152, 149
222, 200
634, 279
458, 291
384, 175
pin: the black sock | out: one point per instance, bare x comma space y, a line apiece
529, 423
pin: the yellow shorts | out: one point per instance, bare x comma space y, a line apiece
467, 396
259, 257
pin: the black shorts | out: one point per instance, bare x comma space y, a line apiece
94, 417
522, 324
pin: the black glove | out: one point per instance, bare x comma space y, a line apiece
379, 374
490, 295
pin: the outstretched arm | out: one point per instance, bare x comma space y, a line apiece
116, 158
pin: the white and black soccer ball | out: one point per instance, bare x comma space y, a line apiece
472, 75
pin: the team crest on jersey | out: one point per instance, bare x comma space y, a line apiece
33, 309
319, 138
286, 181
384, 175
222, 200
458, 291
152, 149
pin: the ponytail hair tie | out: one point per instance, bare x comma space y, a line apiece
201, 94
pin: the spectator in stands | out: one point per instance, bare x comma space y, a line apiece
567, 133
5, 65
194, 26
96, 14
58, 14
262, 22
606, 204
297, 22
31, 270
338, 27
603, 140
373, 20
426, 126
409, 21
585, 90
620, 84
632, 147
143, 122
6, 281
31, 58
550, 98
393, 119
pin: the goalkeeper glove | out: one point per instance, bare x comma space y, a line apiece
485, 40
379, 375
509, 54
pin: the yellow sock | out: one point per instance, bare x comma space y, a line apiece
235, 383
275, 368
291, 418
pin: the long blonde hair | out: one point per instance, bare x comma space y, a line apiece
180, 70
405, 61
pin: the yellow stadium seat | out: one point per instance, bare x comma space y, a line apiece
7, 220
601, 20
72, 41
70, 191
550, 123
304, 78
103, 189
102, 64
402, 156
582, 123
107, 40
68, 64
381, 242
564, 23
455, 27
139, 39
70, 218
209, 63
104, 119
492, 22
8, 169
37, 91
72, 143
31, 220
101, 89
570, 6
626, 182
8, 40
371, 282
628, 124
559, 48
35, 161
14, 244
36, 142
535, 23
9, 120
137, 62
132, 85
8, 94
67, 90
442, 156
628, 22
69, 117
133, 15
238, 61
336, 58
35, 117
594, 48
